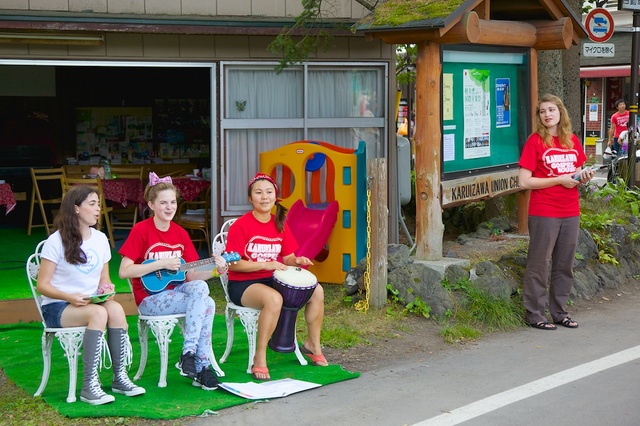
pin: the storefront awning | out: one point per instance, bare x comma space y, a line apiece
606, 71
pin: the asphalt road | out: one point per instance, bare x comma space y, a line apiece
585, 376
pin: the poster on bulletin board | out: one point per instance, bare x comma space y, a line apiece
503, 102
486, 109
477, 119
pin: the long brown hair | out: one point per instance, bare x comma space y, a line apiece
565, 131
281, 211
68, 224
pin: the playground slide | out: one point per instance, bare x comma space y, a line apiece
311, 226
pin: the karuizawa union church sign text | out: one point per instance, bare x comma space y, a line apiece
482, 187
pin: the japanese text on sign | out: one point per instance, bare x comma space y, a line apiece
599, 50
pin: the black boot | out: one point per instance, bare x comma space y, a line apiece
92, 392
119, 347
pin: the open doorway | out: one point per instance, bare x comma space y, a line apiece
40, 125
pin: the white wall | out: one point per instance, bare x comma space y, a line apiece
349, 9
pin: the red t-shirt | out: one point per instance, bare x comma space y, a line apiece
145, 241
545, 162
620, 122
258, 242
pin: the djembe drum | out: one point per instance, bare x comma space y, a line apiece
296, 285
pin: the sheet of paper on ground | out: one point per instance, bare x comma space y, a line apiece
270, 389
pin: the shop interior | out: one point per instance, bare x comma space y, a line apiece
57, 115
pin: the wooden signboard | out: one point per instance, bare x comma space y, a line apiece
465, 190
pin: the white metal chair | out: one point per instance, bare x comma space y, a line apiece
162, 327
226, 225
248, 316
70, 338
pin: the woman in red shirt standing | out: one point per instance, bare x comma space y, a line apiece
550, 159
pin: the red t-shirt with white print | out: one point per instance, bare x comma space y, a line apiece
619, 122
258, 242
145, 242
547, 162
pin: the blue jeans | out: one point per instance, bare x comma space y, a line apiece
616, 146
52, 312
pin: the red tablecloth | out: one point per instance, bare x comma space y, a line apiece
123, 190
6, 197
190, 188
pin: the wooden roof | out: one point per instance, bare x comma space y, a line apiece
504, 12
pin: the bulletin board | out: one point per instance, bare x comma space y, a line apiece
485, 109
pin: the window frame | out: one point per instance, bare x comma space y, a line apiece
305, 123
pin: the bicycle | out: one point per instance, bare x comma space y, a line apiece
615, 163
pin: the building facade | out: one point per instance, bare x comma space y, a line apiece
183, 81
605, 78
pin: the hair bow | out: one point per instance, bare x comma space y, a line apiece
154, 179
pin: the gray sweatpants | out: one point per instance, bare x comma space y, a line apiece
555, 240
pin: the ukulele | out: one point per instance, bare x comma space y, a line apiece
156, 281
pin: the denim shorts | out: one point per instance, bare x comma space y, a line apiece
52, 312
237, 288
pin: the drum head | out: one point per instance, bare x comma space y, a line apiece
295, 276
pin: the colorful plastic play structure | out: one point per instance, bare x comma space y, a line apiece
324, 188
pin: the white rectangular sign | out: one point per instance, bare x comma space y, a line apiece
599, 50
628, 5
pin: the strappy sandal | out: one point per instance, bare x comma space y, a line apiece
567, 322
543, 325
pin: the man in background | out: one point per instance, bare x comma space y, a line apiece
619, 123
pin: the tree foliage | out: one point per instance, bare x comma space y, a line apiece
587, 5
310, 33
406, 55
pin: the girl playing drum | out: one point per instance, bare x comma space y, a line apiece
261, 239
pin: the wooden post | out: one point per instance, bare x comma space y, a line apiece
377, 172
523, 196
523, 211
427, 139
